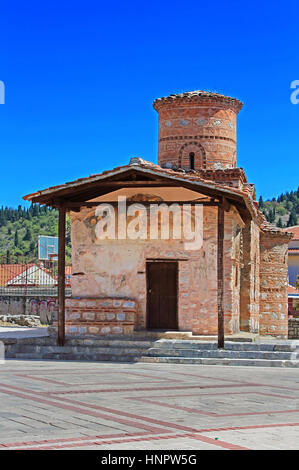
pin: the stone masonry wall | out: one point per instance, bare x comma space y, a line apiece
273, 285
117, 268
232, 259
293, 328
103, 316
249, 299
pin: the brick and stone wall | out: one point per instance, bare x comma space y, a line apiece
232, 263
100, 317
204, 126
114, 268
273, 284
117, 268
293, 328
250, 295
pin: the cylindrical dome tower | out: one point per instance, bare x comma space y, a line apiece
197, 130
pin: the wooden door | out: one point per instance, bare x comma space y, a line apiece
162, 295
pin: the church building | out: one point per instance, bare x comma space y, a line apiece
178, 245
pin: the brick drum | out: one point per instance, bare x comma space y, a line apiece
200, 124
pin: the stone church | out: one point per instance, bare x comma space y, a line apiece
234, 279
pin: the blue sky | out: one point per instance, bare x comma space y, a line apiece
80, 79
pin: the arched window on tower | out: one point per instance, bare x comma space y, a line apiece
191, 160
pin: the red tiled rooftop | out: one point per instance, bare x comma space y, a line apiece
293, 290
206, 178
294, 230
293, 251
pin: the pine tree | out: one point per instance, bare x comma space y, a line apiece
16, 239
28, 235
271, 216
32, 247
293, 219
2, 218
261, 202
279, 223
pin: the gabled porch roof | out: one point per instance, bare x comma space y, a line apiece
140, 173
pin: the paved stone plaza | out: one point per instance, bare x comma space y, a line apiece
77, 405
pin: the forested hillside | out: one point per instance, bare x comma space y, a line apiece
282, 211
19, 230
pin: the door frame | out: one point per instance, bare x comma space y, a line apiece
162, 260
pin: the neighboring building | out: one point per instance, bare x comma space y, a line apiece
239, 267
25, 275
293, 255
293, 301
31, 275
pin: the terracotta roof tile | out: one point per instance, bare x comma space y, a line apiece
294, 230
206, 177
293, 290
198, 95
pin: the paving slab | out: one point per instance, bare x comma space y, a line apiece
91, 405
22, 332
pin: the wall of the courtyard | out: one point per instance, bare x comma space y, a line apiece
293, 328
38, 305
273, 285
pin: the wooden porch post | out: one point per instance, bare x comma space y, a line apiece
61, 276
220, 270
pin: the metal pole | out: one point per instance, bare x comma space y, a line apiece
61, 276
220, 270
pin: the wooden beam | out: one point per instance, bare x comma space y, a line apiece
76, 205
99, 188
220, 272
61, 276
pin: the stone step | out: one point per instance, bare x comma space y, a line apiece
220, 361
64, 350
163, 350
286, 346
81, 356
222, 353
83, 342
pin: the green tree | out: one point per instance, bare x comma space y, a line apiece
28, 234
279, 223
293, 219
16, 239
261, 202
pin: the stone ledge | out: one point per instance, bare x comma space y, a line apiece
99, 316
